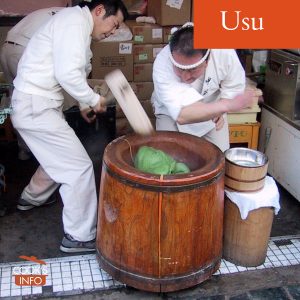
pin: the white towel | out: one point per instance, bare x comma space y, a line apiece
268, 196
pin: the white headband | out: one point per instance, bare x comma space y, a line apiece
188, 67
187, 24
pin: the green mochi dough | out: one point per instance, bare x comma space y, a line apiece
157, 162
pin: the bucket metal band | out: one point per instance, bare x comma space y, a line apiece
244, 180
164, 189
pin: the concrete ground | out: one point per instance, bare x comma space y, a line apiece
39, 232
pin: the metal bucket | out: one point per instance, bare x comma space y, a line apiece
245, 169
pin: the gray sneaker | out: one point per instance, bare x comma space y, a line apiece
70, 245
24, 205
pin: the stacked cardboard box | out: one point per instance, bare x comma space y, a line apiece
108, 56
145, 33
170, 12
147, 42
135, 58
146, 53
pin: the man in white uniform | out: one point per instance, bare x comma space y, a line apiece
13, 48
58, 56
195, 88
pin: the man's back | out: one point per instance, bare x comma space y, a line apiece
23, 31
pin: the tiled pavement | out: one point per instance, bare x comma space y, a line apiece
76, 275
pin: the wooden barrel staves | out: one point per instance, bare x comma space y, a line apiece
246, 241
161, 233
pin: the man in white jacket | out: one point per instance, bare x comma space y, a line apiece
13, 48
58, 56
18, 38
195, 88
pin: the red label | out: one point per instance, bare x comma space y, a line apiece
244, 24
30, 280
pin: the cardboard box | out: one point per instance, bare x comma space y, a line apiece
69, 101
167, 33
170, 12
108, 56
144, 33
142, 72
146, 104
144, 90
128, 3
146, 53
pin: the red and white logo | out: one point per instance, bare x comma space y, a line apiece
31, 275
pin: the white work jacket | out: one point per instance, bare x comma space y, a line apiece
23, 31
58, 56
224, 78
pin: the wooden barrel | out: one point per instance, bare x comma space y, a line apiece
246, 241
161, 233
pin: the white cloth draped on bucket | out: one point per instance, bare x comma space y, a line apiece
268, 196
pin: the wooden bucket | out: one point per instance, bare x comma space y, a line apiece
161, 234
246, 241
245, 178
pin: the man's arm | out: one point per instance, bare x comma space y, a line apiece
199, 111
225, 66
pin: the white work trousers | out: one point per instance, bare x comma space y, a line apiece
218, 137
63, 161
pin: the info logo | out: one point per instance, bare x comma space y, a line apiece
31, 275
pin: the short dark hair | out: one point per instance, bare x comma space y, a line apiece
111, 6
182, 41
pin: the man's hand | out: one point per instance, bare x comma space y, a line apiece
100, 107
89, 114
86, 115
241, 101
219, 121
